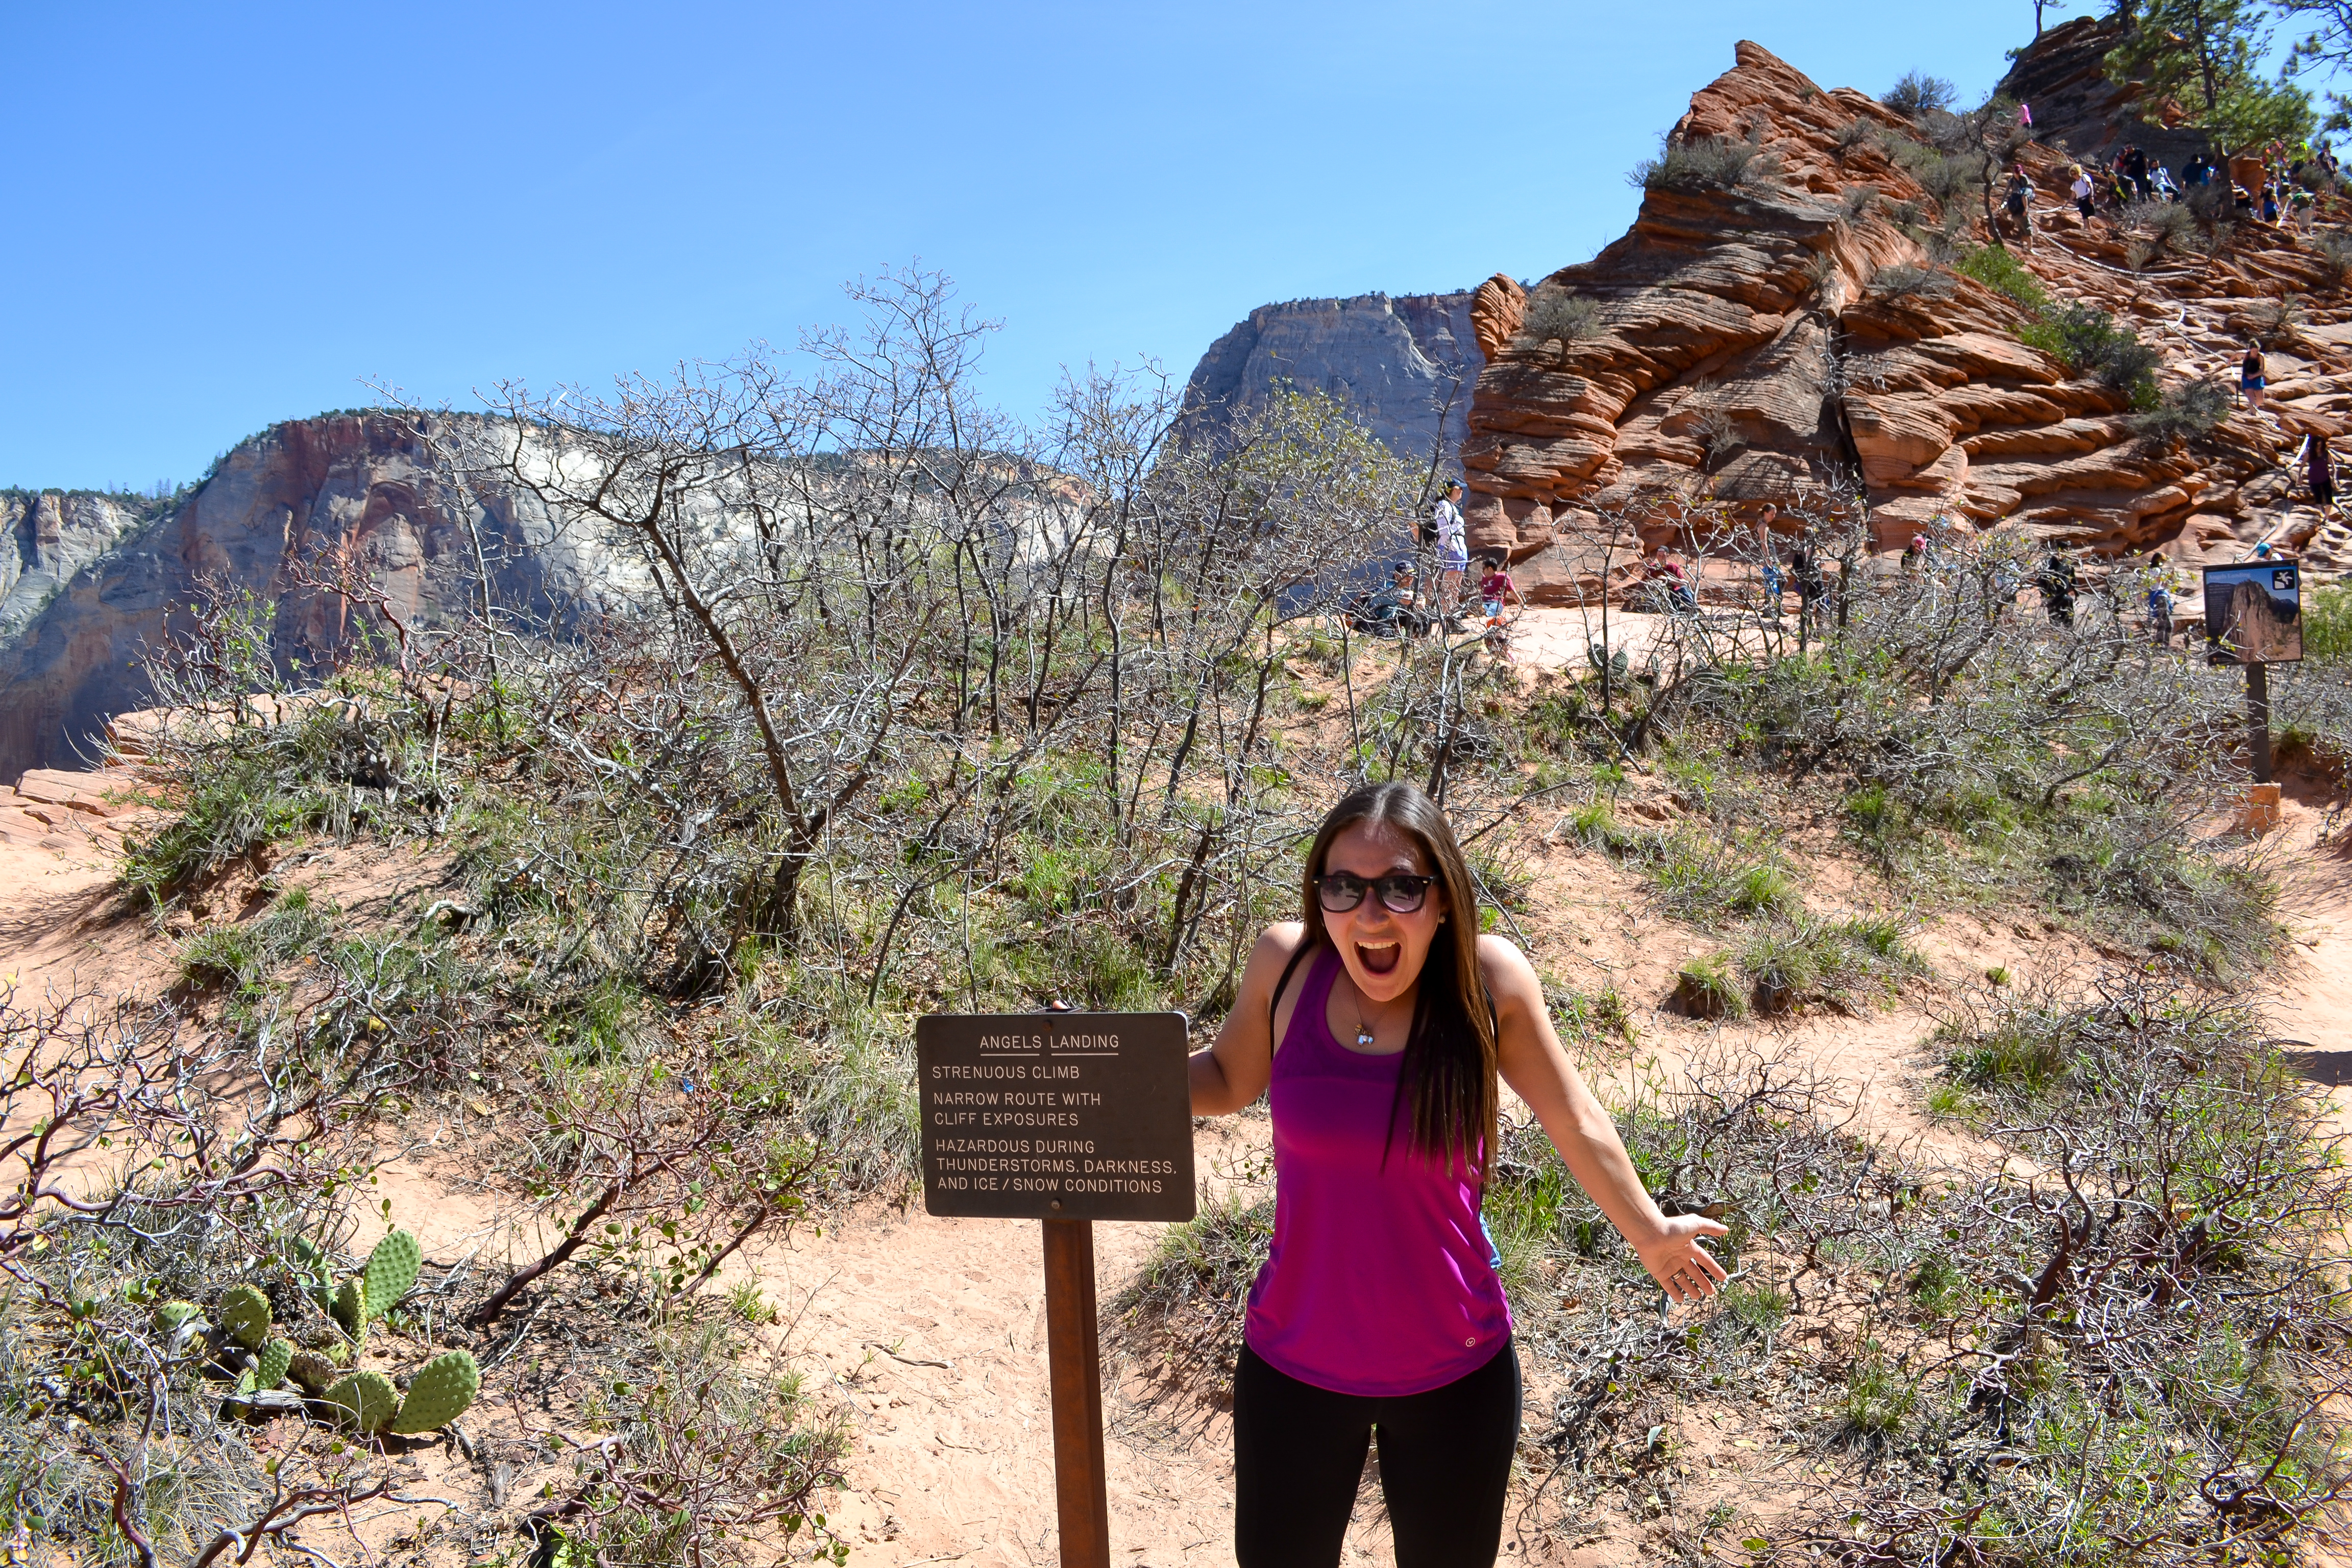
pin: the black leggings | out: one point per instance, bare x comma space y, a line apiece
1445, 1463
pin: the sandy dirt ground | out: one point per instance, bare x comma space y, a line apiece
928, 1334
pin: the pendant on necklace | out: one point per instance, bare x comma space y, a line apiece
1364, 1041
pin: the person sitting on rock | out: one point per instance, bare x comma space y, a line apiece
1673, 587
1391, 612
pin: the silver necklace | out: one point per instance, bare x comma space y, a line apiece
1364, 1037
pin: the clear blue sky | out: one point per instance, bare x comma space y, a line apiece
226, 214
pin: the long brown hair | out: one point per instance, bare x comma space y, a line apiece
1450, 1052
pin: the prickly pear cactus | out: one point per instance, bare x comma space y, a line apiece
171, 1315
276, 1357
391, 1270
245, 1313
350, 1307
366, 1399
314, 1372
439, 1393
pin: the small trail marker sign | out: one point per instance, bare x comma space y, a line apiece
1065, 1118
2253, 616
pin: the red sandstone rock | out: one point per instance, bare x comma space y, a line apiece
1744, 355
1495, 311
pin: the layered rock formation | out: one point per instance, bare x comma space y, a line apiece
47, 536
1751, 341
354, 483
1404, 364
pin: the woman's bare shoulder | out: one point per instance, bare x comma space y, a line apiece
1503, 966
1279, 940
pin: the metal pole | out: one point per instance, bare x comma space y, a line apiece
1074, 1359
2258, 719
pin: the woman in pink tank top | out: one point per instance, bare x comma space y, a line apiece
1378, 1025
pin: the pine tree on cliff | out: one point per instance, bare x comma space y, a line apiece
2206, 56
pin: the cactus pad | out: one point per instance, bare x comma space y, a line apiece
350, 1307
439, 1393
366, 1399
171, 1315
391, 1270
313, 1372
276, 1357
245, 1313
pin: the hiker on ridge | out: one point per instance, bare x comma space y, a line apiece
2136, 171
2251, 379
1453, 537
1380, 1026
2057, 582
2018, 197
2319, 469
2160, 600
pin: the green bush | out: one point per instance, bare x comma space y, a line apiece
1995, 267
1709, 163
1879, 1395
2327, 622
1557, 314
1837, 961
2184, 410
2090, 341
1903, 282
1917, 95
1781, 960
1708, 988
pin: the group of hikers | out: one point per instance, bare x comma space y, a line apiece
1670, 587
2278, 192
1423, 599
1425, 596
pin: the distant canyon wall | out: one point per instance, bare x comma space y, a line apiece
90, 586
1404, 362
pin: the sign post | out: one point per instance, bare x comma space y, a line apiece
1064, 1118
2253, 616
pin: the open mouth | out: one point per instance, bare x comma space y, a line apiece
1380, 959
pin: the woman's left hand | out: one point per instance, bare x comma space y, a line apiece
1682, 1269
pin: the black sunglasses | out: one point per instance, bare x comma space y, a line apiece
1401, 892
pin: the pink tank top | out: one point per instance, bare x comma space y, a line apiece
1380, 1280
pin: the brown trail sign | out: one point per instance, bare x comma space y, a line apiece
2253, 616
1065, 1118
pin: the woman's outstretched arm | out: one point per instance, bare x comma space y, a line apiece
1235, 1071
1536, 1067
